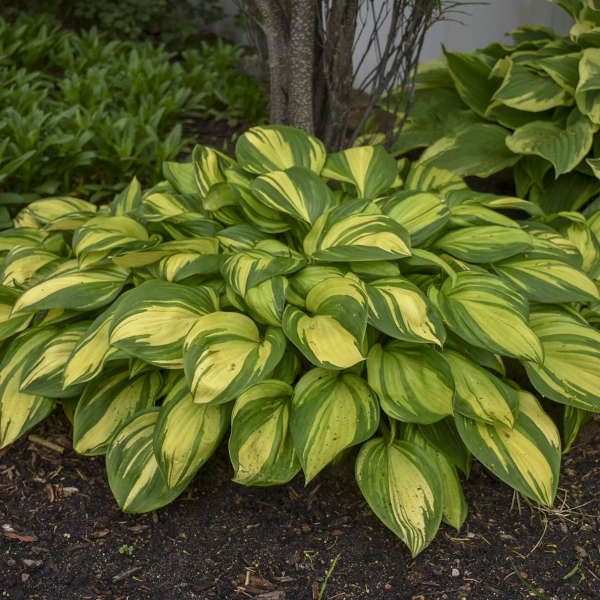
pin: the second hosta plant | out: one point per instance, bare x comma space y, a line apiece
301, 304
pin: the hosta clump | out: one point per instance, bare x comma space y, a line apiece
533, 105
302, 304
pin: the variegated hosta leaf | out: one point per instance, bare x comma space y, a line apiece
375, 269
160, 206
482, 357
526, 88
548, 280
19, 411
426, 178
547, 242
266, 301
297, 192
484, 244
153, 319
132, 259
186, 434
570, 373
565, 147
333, 336
330, 412
401, 310
526, 456
355, 232
43, 374
133, 474
247, 268
488, 313
422, 214
370, 169
580, 234
240, 237
267, 219
403, 488
573, 419
128, 201
74, 289
21, 236
587, 94
279, 147
481, 395
414, 383
469, 215
101, 234
260, 445
178, 267
302, 282
444, 437
454, 505
107, 404
224, 354
208, 167
479, 149
50, 209
91, 351
23, 263
10, 325
181, 176
468, 197
288, 368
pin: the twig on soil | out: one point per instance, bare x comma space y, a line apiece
36, 439
125, 574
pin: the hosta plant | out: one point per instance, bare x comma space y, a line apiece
304, 305
533, 105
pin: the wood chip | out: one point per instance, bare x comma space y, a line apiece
21, 538
36, 439
101, 534
275, 595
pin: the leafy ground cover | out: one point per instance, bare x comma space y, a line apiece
80, 114
224, 541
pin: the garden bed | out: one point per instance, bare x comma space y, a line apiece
63, 536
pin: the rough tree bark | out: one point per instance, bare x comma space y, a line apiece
318, 80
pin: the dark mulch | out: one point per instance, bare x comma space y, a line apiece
64, 538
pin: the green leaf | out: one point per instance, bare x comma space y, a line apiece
403, 488
587, 94
260, 445
414, 384
526, 456
133, 474
330, 412
573, 419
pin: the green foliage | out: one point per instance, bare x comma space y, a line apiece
300, 305
533, 106
80, 115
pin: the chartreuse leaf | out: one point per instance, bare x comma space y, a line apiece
370, 169
297, 192
403, 488
548, 280
107, 404
43, 374
74, 289
331, 411
181, 176
19, 411
570, 373
565, 147
224, 354
101, 234
347, 233
10, 325
573, 419
91, 351
488, 313
485, 243
186, 434
422, 214
247, 268
414, 383
333, 336
526, 88
587, 94
153, 319
133, 474
129, 200
481, 395
302, 282
22, 263
279, 147
401, 310
260, 445
526, 456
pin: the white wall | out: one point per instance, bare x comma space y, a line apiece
490, 23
